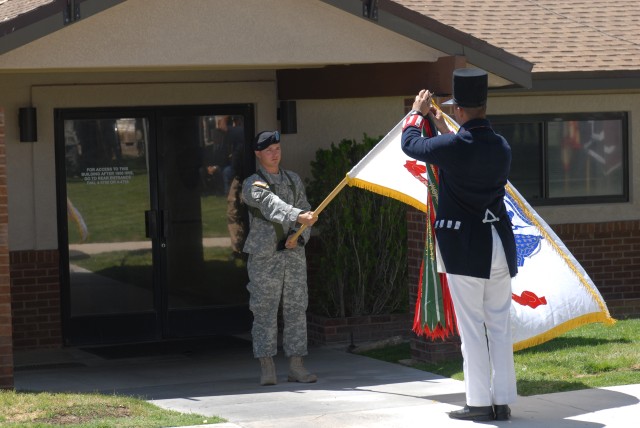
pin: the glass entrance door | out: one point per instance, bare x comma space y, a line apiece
203, 158
152, 231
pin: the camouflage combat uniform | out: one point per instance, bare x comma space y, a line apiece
276, 275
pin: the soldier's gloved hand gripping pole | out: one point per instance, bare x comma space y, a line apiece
293, 239
322, 206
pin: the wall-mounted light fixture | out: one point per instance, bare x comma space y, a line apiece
28, 122
288, 117
370, 9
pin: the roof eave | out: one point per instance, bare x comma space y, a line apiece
446, 39
575, 81
45, 20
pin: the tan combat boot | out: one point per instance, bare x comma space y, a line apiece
297, 372
268, 376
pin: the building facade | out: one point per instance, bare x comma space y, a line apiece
115, 225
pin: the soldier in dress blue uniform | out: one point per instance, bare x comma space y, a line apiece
276, 265
475, 241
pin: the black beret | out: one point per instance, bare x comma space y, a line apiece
265, 139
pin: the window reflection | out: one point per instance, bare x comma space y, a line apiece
107, 187
222, 173
585, 158
572, 158
201, 222
208, 222
526, 158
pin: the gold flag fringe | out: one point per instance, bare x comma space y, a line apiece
385, 191
563, 328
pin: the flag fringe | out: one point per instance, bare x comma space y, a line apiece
385, 191
563, 328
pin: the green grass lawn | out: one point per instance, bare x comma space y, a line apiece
43, 409
112, 215
591, 356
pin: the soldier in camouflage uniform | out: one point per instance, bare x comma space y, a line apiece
277, 263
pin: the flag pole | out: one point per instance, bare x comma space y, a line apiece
323, 205
344, 181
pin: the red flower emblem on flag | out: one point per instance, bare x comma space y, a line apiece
529, 298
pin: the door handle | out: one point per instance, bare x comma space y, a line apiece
164, 223
150, 223
156, 224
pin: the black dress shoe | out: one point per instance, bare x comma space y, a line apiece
502, 411
471, 413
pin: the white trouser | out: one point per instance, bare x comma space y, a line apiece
489, 373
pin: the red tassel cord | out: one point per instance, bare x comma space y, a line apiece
434, 315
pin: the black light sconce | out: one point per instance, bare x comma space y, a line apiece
288, 117
370, 9
27, 120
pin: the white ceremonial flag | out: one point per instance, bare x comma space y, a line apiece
384, 170
551, 293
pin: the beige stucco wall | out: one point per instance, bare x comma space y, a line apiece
220, 34
596, 103
158, 52
323, 122
337, 119
31, 166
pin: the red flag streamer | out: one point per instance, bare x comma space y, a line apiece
434, 315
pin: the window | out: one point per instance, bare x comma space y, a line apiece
569, 158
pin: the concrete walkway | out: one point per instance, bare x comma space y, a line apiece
352, 391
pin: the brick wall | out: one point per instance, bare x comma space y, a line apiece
35, 291
6, 339
356, 330
609, 253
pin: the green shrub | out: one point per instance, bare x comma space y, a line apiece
362, 268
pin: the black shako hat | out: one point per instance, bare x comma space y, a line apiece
265, 139
469, 87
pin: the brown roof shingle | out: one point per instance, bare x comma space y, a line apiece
10, 9
556, 36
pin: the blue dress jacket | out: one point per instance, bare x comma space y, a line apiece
474, 166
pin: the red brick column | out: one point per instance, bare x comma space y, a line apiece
6, 330
35, 292
423, 349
